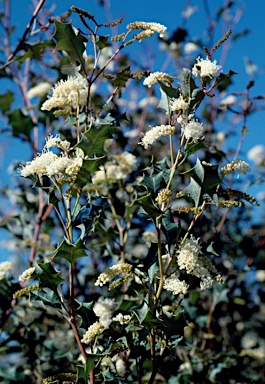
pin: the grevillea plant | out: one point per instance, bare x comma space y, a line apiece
130, 250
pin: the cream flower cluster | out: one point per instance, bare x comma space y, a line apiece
240, 166
113, 272
179, 104
155, 27
39, 90
175, 285
206, 68
50, 164
193, 130
122, 319
154, 133
67, 94
118, 169
94, 330
104, 308
5, 268
26, 275
158, 76
188, 259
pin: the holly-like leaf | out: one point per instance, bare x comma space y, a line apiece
73, 44
70, 252
21, 123
47, 276
169, 227
34, 51
167, 94
153, 183
92, 142
194, 147
225, 79
86, 314
86, 218
122, 77
203, 181
88, 167
187, 84
6, 99
148, 206
103, 42
47, 298
83, 371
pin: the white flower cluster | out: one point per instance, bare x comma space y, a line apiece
179, 104
112, 272
50, 164
188, 259
26, 275
112, 172
175, 285
94, 330
158, 76
206, 68
257, 154
240, 166
193, 130
67, 94
5, 268
56, 141
155, 27
104, 308
155, 133
122, 319
39, 90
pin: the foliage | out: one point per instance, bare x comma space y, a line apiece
140, 253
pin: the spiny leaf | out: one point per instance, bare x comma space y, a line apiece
122, 77
70, 252
148, 206
167, 94
21, 123
103, 42
170, 228
187, 84
35, 51
224, 78
153, 183
92, 142
6, 99
203, 181
48, 276
88, 167
194, 147
72, 44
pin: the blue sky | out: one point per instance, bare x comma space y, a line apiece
169, 13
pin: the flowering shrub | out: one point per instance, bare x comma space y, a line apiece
125, 251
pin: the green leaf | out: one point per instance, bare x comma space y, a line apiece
153, 183
141, 313
170, 228
35, 51
70, 252
194, 147
102, 42
85, 311
148, 206
224, 78
122, 77
48, 276
21, 123
6, 99
87, 217
211, 250
92, 142
187, 84
72, 44
167, 93
83, 371
50, 298
203, 181
88, 167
